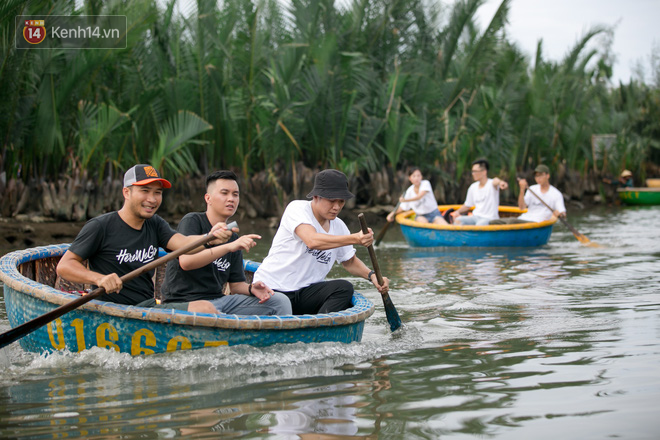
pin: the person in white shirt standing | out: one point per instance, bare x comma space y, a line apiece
309, 240
483, 194
536, 210
419, 197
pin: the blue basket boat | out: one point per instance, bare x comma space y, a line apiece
32, 288
517, 235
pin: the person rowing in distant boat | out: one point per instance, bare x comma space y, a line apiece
202, 276
121, 241
625, 180
419, 197
536, 210
310, 238
483, 194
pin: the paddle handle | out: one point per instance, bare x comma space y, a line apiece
382, 232
370, 248
18, 332
553, 211
581, 237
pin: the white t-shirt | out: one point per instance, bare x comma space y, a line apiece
424, 205
290, 264
537, 211
486, 200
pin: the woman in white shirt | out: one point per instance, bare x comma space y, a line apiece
419, 197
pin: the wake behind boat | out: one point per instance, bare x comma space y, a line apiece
32, 288
433, 235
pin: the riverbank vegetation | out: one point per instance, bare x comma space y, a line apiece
277, 91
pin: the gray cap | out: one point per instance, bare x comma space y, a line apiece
144, 175
542, 169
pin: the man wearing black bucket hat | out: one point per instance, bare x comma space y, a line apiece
121, 241
309, 240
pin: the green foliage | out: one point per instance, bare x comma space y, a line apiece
252, 85
170, 155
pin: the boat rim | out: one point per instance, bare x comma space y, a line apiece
405, 219
623, 190
12, 278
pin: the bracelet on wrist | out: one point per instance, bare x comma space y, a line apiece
369, 276
250, 289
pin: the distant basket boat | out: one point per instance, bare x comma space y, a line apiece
639, 196
29, 277
517, 235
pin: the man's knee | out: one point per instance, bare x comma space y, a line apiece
343, 290
343, 287
202, 307
281, 305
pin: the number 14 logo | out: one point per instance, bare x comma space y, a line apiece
34, 31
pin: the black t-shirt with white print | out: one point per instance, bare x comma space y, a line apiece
112, 246
205, 283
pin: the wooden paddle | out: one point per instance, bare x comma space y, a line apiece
580, 237
382, 232
390, 311
26, 328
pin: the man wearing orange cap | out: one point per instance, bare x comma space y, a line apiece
121, 241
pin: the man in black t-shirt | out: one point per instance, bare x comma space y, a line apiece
203, 275
119, 242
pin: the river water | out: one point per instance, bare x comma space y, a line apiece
561, 341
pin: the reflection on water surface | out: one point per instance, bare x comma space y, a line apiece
557, 341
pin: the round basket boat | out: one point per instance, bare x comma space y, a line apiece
653, 183
32, 288
639, 196
515, 235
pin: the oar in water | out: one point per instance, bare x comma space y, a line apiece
390, 311
26, 328
580, 237
382, 232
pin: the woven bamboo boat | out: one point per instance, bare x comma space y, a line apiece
516, 235
32, 288
639, 196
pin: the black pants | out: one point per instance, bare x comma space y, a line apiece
324, 297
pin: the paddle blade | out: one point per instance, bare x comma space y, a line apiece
390, 310
585, 241
391, 313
